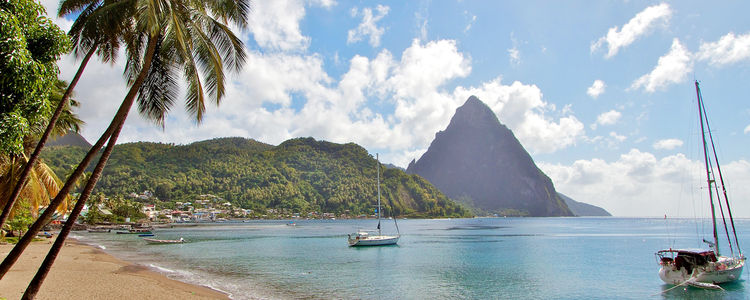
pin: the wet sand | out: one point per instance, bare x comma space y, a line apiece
84, 272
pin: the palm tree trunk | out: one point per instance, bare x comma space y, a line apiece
119, 119
15, 253
41, 274
30, 164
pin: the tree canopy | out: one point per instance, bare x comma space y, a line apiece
300, 175
30, 45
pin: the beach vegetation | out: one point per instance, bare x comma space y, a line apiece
42, 183
20, 222
30, 45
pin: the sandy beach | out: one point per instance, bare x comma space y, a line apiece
84, 272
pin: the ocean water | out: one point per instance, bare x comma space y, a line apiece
482, 258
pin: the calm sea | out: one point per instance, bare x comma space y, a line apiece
483, 258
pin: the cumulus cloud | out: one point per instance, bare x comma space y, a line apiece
667, 144
635, 28
596, 89
747, 129
392, 102
275, 25
671, 68
728, 49
640, 184
368, 27
521, 108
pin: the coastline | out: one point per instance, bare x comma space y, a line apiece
84, 272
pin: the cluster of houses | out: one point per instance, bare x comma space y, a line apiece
211, 208
207, 208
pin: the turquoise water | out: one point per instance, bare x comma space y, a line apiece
483, 258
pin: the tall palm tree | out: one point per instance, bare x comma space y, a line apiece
95, 31
187, 38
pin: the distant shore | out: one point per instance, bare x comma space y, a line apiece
85, 272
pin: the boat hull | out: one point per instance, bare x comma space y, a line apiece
162, 242
713, 273
382, 240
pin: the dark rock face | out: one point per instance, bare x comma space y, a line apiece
581, 209
478, 161
71, 138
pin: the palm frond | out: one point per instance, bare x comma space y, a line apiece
209, 60
160, 89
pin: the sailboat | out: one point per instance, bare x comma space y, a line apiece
374, 237
706, 268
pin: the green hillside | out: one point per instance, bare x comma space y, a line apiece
300, 175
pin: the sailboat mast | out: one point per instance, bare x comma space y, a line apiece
377, 158
723, 189
708, 171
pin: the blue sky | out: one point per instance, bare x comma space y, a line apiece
599, 92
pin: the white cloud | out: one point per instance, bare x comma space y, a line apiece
324, 3
608, 118
522, 109
275, 25
667, 144
513, 53
596, 89
393, 102
639, 184
671, 68
615, 139
635, 28
368, 26
472, 19
747, 129
727, 50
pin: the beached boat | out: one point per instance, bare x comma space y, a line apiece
374, 237
156, 241
136, 231
99, 230
706, 268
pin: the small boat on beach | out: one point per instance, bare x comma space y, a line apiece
374, 237
706, 268
156, 241
99, 230
136, 231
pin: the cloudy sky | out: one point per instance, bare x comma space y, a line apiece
600, 93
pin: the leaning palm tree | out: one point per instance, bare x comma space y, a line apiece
95, 31
173, 39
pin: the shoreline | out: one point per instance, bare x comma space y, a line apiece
82, 271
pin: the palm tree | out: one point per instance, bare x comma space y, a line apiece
172, 38
95, 31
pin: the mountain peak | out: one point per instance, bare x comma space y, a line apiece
479, 161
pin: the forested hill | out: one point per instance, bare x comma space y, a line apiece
300, 175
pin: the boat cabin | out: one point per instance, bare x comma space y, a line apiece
686, 258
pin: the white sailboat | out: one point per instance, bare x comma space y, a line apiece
374, 237
706, 268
